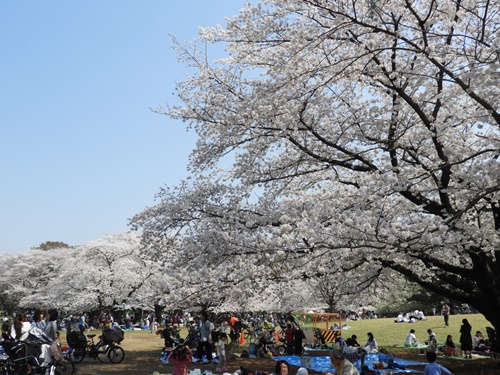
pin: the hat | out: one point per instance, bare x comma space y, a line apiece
302, 371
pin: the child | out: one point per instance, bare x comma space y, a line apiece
450, 349
433, 345
221, 353
180, 357
433, 368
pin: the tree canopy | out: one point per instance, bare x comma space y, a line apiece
49, 245
341, 139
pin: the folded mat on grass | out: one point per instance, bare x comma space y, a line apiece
322, 364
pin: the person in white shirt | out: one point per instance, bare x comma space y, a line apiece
411, 339
20, 327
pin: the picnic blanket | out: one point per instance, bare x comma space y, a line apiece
323, 364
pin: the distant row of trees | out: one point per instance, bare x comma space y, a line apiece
108, 273
112, 273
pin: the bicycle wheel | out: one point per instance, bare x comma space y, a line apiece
67, 368
495, 357
5, 368
76, 355
116, 354
102, 354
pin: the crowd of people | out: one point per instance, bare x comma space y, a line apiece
18, 328
410, 317
469, 344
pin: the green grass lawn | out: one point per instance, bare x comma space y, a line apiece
388, 333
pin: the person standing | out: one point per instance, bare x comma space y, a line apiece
298, 336
289, 334
205, 343
221, 353
83, 322
38, 320
152, 322
446, 314
466, 338
20, 327
51, 327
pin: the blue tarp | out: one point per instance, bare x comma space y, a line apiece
322, 364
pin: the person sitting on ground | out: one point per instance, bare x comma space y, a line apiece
339, 340
411, 339
371, 345
450, 348
168, 342
479, 342
264, 341
400, 318
433, 345
352, 352
355, 341
421, 315
318, 341
342, 365
431, 335
433, 368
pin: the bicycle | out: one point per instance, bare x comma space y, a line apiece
103, 351
19, 361
251, 336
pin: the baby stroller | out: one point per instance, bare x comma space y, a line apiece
494, 344
37, 355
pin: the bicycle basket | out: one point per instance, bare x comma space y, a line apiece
110, 335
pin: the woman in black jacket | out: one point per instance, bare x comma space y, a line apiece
466, 338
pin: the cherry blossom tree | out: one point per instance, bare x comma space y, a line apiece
107, 273
25, 276
362, 133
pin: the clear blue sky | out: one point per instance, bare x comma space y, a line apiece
80, 149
